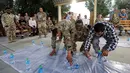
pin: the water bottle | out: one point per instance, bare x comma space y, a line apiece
28, 65
40, 70
64, 50
69, 67
4, 52
33, 42
76, 66
41, 43
12, 59
128, 39
99, 57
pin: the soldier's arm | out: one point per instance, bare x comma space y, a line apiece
45, 17
15, 20
3, 20
73, 31
59, 28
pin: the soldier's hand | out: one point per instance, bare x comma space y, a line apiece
69, 58
105, 52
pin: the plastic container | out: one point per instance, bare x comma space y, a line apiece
28, 67
33, 42
4, 52
40, 70
12, 59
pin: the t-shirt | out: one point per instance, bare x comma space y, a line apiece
22, 22
32, 23
85, 21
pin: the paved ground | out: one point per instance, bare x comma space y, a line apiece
121, 54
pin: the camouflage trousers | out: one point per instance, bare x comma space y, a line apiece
11, 33
69, 44
120, 28
53, 42
42, 29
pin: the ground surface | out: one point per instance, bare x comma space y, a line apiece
121, 54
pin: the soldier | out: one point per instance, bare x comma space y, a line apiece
53, 38
115, 20
67, 28
41, 19
81, 33
8, 23
49, 24
99, 18
26, 17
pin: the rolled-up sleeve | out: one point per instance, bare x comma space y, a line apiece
89, 39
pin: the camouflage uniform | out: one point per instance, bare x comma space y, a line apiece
115, 20
9, 25
49, 25
81, 33
54, 35
67, 28
41, 23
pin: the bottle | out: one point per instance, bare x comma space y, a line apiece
27, 64
69, 67
33, 42
64, 50
99, 57
4, 52
40, 70
128, 39
76, 66
41, 43
12, 59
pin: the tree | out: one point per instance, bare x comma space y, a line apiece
122, 4
32, 6
103, 6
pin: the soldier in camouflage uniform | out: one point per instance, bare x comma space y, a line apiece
115, 20
41, 19
49, 24
9, 25
81, 33
54, 36
67, 28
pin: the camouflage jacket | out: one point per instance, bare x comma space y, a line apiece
67, 28
41, 17
81, 32
8, 20
115, 18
